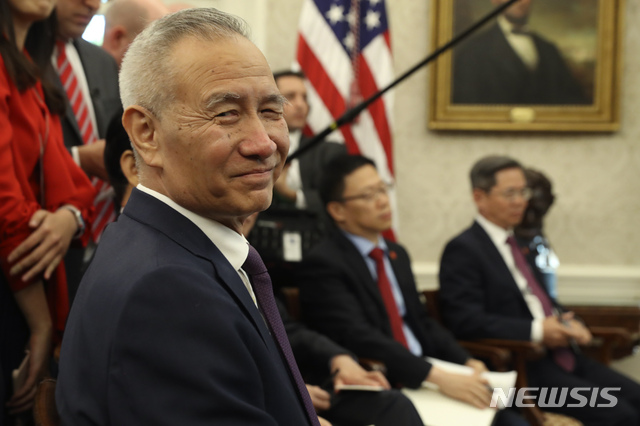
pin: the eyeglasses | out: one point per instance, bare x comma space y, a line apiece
511, 194
371, 194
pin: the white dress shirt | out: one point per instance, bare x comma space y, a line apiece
499, 237
521, 42
233, 246
294, 179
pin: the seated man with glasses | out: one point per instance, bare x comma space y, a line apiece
358, 289
488, 290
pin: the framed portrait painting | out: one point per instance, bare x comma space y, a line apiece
542, 65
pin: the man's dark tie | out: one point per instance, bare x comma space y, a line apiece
562, 356
261, 282
387, 297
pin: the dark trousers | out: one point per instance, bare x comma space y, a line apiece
361, 408
590, 374
14, 334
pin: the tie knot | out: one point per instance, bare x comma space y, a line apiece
377, 254
254, 264
511, 241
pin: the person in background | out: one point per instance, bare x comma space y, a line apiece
487, 290
45, 201
88, 77
298, 184
124, 20
530, 234
358, 289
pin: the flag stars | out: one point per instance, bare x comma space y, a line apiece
335, 14
373, 3
352, 18
372, 20
349, 41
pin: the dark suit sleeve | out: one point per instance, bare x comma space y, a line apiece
184, 356
330, 305
312, 350
472, 296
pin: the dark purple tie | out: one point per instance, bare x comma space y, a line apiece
259, 277
562, 356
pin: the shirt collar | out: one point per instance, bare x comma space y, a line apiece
507, 27
233, 246
364, 245
497, 234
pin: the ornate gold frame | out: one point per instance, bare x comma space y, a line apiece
600, 116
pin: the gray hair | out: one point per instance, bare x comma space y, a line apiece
483, 172
145, 72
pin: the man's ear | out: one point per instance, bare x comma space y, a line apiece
129, 168
141, 125
479, 196
114, 37
336, 211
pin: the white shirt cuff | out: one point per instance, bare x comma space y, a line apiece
75, 155
536, 330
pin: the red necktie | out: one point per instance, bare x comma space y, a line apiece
261, 283
387, 297
562, 356
103, 201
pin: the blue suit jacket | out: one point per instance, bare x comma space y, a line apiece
164, 332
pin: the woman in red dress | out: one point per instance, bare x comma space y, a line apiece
45, 200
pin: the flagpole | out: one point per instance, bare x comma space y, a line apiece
352, 113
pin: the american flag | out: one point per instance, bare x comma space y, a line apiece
344, 49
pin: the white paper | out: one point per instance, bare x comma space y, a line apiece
437, 409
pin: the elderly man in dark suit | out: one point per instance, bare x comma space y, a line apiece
175, 322
487, 290
358, 289
508, 64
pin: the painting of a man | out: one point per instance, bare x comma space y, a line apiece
512, 63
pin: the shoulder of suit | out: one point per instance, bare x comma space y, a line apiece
85, 48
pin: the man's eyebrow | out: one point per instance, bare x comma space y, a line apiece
277, 98
218, 98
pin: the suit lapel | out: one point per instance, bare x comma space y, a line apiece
496, 259
359, 269
153, 212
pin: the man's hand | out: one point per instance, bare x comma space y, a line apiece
319, 397
92, 159
349, 372
472, 389
477, 365
557, 334
281, 187
45, 248
324, 422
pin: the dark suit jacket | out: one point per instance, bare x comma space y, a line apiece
164, 332
478, 296
486, 70
101, 71
312, 350
312, 165
341, 300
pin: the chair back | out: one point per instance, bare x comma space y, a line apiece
45, 412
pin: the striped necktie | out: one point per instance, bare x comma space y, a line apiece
104, 199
